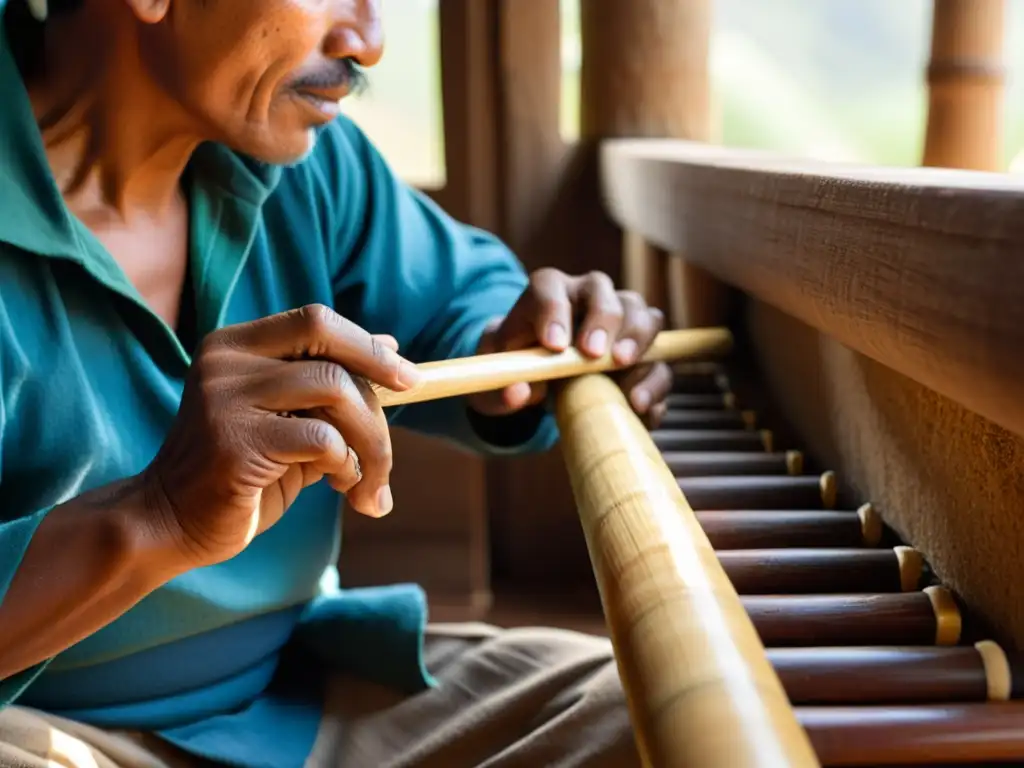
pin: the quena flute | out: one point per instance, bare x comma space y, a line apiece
482, 373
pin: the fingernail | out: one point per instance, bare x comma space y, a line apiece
408, 374
597, 341
556, 335
641, 400
385, 502
626, 351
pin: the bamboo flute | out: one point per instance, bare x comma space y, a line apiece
483, 373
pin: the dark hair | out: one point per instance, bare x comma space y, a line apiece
25, 33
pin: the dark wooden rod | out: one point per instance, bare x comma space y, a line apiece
881, 674
716, 463
760, 492
936, 734
769, 529
806, 620
708, 419
712, 402
699, 383
712, 440
820, 571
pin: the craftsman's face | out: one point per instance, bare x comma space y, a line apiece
262, 75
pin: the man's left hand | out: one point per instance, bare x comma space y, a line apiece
605, 319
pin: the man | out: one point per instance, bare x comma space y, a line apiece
201, 267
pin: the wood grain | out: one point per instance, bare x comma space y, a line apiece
699, 687
920, 269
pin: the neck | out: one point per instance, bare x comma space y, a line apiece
116, 144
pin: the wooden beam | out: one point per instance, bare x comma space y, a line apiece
965, 86
919, 269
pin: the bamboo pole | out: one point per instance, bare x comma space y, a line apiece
645, 73
484, 373
699, 686
965, 86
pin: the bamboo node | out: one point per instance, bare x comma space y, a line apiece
870, 525
794, 463
829, 489
998, 677
948, 622
911, 564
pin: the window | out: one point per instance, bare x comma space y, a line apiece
829, 79
401, 109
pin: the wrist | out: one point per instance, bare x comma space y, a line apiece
147, 534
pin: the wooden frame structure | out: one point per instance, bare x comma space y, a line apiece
510, 170
914, 270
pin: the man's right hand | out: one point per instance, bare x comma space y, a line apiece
269, 408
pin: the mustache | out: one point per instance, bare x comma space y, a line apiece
338, 73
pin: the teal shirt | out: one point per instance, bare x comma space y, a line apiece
225, 661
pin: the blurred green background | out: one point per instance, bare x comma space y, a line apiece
828, 79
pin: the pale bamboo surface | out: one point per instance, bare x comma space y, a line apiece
483, 373
699, 686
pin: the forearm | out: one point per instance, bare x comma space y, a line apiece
90, 560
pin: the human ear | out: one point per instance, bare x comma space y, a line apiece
149, 11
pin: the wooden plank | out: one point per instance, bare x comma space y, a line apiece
920, 269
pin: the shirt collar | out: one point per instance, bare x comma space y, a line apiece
34, 217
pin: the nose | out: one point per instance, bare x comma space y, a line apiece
357, 32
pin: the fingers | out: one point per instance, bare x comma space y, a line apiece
603, 314
329, 393
361, 420
646, 387
319, 332
306, 441
505, 401
543, 315
640, 324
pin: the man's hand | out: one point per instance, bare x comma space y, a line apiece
557, 311
271, 407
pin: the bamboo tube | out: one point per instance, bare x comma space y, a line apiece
773, 529
713, 440
710, 402
932, 735
483, 373
903, 618
965, 86
699, 687
707, 419
705, 494
894, 674
818, 570
728, 463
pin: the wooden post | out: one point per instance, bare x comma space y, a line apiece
645, 74
438, 533
965, 86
